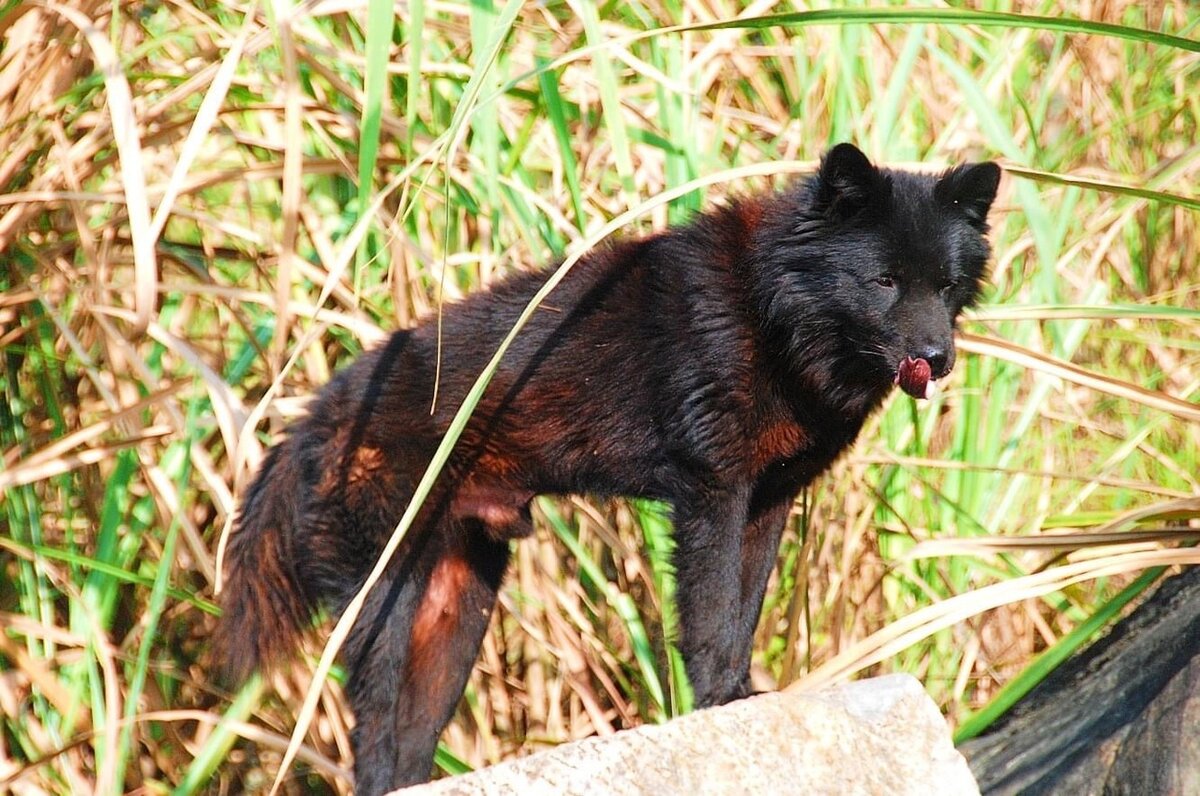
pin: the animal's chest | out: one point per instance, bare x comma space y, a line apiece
786, 457
776, 441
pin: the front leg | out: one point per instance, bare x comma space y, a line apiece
708, 561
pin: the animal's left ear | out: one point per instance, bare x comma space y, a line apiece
970, 189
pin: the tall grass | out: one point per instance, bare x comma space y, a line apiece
207, 209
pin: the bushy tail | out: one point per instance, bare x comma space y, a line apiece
265, 608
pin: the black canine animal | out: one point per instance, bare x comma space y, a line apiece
719, 366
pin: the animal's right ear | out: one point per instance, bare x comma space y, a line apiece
847, 182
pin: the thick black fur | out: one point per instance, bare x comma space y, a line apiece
719, 366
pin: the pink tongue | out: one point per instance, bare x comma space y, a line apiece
913, 377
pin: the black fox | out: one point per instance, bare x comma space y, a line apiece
719, 366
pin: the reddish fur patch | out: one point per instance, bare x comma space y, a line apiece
441, 605
502, 509
779, 440
749, 212
364, 462
494, 515
496, 464
356, 467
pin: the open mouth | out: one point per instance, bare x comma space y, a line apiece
915, 377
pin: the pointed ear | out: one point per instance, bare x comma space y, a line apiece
970, 189
847, 182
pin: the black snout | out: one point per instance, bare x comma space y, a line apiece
938, 357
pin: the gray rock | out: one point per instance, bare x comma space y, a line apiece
878, 736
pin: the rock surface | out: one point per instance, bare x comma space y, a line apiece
878, 736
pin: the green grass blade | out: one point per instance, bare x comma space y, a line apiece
614, 119
556, 113
112, 571
177, 463
660, 544
485, 126
451, 765
953, 16
622, 603
215, 750
375, 95
99, 591
1051, 659
887, 115
1104, 186
893, 16
415, 46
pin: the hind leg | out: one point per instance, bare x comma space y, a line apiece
374, 655
411, 656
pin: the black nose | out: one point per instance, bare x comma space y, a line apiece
937, 357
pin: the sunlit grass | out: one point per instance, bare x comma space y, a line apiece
329, 179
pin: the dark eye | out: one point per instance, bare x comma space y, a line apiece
948, 286
886, 280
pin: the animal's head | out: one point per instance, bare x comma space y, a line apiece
870, 270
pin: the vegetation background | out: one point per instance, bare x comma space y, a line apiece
206, 208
